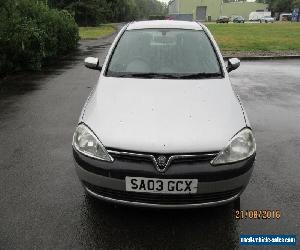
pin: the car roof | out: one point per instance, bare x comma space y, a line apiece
164, 24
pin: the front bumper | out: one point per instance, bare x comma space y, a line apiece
216, 185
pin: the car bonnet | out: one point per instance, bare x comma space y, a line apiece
164, 115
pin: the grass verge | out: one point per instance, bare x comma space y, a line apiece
277, 37
96, 32
249, 38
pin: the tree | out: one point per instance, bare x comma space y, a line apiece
95, 12
281, 5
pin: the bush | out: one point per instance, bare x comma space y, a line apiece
31, 33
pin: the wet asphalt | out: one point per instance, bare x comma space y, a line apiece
43, 206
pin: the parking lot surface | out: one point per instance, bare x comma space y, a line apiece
43, 206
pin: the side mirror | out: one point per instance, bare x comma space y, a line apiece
92, 63
233, 63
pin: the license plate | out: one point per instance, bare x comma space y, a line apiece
161, 186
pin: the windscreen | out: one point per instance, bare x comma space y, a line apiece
164, 52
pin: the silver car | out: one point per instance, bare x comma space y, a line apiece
267, 19
163, 126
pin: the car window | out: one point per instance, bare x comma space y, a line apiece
168, 52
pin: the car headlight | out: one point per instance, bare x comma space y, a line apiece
240, 147
86, 142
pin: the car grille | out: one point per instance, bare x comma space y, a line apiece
162, 199
178, 158
169, 159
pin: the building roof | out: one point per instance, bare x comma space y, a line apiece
164, 24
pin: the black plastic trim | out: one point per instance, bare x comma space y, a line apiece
163, 199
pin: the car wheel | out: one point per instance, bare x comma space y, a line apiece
266, 21
260, 21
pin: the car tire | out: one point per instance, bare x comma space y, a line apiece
90, 197
237, 204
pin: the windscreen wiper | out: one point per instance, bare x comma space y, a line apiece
150, 75
200, 76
